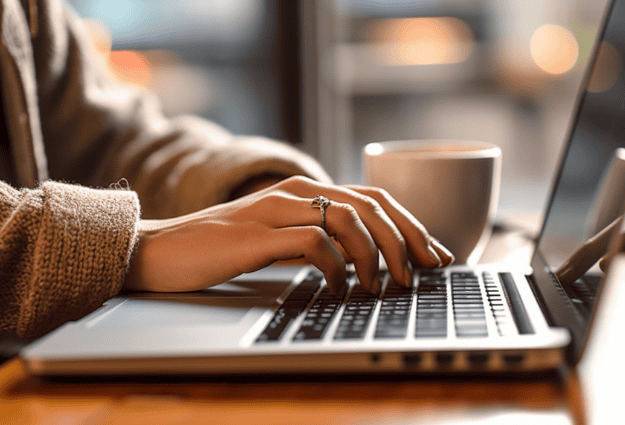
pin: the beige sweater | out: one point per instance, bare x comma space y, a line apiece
64, 248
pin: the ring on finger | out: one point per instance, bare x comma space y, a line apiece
321, 203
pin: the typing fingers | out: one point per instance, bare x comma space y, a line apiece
587, 254
395, 231
341, 222
379, 226
426, 249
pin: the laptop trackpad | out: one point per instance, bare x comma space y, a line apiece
182, 311
225, 304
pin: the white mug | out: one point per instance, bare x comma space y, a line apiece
451, 186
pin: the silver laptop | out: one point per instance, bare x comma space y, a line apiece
459, 319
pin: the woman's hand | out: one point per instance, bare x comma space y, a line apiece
594, 249
214, 245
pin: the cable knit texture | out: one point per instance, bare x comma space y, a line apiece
64, 250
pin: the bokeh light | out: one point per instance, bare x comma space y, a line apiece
374, 149
131, 67
424, 41
128, 67
554, 49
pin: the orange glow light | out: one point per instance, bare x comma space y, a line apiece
424, 41
554, 49
131, 67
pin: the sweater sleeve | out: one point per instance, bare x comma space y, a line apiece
64, 250
97, 131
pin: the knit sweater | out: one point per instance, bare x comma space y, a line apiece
65, 248
63, 251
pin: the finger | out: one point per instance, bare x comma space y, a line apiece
275, 201
386, 237
427, 250
604, 263
385, 234
444, 254
348, 259
587, 254
309, 242
342, 222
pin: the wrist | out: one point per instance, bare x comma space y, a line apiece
133, 280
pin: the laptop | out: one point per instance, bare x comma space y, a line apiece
455, 320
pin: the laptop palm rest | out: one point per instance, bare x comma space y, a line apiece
162, 324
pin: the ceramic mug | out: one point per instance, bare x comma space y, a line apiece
451, 186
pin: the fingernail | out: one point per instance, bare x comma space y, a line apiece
408, 276
434, 256
444, 249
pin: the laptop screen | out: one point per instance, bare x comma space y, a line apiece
587, 194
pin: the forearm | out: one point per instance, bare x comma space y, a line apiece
64, 250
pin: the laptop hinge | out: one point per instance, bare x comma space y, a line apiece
541, 301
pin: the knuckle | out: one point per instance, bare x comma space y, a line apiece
398, 242
346, 213
316, 236
296, 182
370, 204
273, 199
381, 193
375, 192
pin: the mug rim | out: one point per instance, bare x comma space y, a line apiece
475, 149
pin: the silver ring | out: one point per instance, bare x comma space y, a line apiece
321, 203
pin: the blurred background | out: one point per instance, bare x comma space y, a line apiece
332, 75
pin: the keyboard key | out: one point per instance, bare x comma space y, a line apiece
468, 306
276, 327
319, 316
292, 307
394, 313
431, 306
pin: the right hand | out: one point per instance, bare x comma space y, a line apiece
214, 245
594, 249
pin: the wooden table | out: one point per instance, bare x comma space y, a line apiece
553, 398
549, 400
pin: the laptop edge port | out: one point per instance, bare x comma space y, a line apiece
444, 359
412, 359
478, 359
513, 359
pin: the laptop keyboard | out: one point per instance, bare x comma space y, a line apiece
582, 293
422, 310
